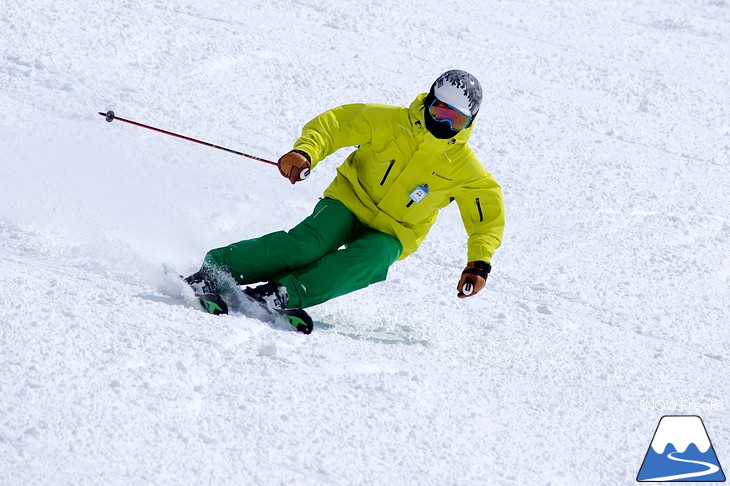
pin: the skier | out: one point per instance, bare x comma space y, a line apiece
409, 163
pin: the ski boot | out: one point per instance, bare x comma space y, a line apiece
203, 285
275, 298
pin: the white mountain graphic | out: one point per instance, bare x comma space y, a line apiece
680, 431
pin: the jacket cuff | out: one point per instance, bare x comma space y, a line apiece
480, 269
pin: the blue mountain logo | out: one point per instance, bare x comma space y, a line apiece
681, 451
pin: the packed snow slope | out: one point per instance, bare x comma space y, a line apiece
607, 124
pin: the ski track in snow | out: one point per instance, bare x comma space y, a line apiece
607, 124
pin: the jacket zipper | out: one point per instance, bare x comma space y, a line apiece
479, 208
390, 166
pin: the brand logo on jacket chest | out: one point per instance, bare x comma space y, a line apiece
434, 173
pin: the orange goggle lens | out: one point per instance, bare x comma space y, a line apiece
441, 111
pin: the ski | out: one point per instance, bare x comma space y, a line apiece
299, 320
233, 298
213, 303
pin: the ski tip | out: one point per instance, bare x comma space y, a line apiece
213, 304
300, 320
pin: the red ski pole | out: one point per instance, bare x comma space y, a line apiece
110, 117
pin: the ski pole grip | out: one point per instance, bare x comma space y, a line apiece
305, 173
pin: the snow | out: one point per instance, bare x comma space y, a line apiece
607, 124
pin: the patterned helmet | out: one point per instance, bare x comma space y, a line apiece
460, 90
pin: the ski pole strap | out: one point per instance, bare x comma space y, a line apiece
480, 269
305, 154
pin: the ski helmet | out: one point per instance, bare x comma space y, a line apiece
458, 89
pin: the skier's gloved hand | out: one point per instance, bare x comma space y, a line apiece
295, 165
473, 278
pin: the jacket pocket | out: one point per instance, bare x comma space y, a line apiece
387, 171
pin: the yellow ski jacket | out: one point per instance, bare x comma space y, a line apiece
396, 155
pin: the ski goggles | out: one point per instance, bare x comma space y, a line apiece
441, 111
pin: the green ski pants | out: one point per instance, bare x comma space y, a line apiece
330, 253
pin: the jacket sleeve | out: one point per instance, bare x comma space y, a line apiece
482, 210
344, 126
